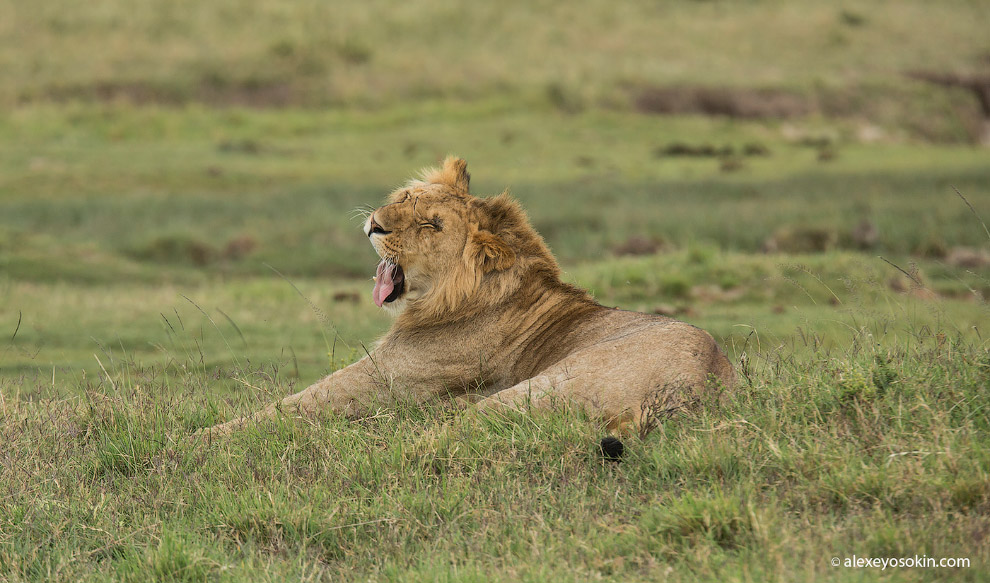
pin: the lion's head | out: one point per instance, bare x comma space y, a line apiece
448, 254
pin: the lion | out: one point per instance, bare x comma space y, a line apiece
481, 314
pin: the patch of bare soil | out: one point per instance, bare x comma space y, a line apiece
725, 101
250, 93
968, 257
792, 239
640, 245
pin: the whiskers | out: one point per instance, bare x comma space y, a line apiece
362, 212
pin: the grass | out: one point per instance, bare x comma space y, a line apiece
874, 451
58, 330
94, 194
858, 429
262, 53
180, 244
858, 426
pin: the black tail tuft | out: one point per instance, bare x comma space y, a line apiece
612, 449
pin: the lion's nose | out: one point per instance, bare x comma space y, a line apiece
375, 229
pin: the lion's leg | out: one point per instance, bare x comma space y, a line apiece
561, 389
630, 381
349, 391
625, 408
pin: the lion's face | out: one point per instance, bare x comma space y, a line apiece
436, 243
421, 239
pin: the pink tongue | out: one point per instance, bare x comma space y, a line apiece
383, 282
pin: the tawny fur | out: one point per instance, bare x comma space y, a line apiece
485, 315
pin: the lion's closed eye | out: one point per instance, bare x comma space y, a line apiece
436, 224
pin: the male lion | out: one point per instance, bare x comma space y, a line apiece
480, 311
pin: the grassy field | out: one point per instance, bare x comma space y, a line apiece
872, 452
176, 251
834, 57
132, 319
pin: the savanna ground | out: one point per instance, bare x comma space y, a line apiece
180, 195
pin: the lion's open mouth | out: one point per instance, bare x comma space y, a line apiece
389, 283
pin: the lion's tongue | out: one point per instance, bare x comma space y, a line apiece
383, 282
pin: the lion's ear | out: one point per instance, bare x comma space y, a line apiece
452, 173
492, 252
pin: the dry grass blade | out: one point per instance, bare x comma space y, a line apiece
976, 214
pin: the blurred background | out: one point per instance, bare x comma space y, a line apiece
179, 181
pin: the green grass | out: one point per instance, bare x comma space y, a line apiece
859, 425
229, 326
170, 190
177, 249
876, 451
589, 55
